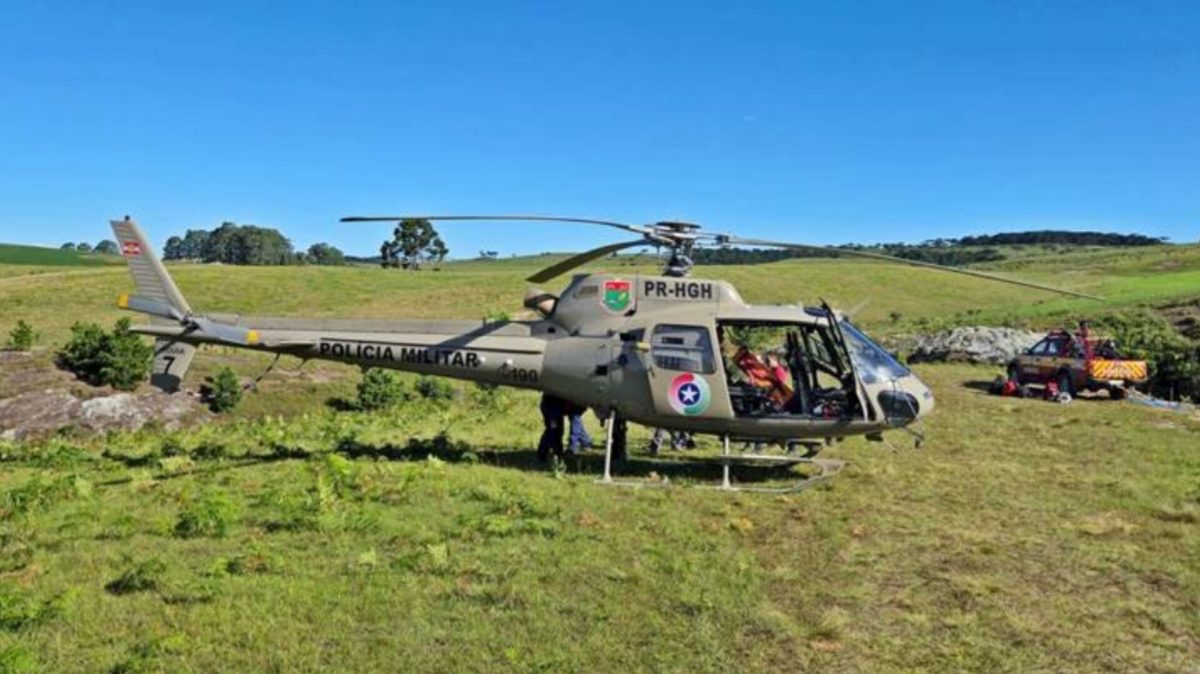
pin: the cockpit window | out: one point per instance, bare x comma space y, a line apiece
871, 362
684, 348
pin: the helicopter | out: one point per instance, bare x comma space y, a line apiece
667, 351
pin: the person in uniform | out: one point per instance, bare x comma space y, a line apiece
579, 440
554, 411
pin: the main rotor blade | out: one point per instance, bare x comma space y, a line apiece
581, 259
901, 260
526, 218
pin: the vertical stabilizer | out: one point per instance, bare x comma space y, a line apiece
171, 358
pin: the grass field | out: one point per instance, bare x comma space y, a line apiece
1023, 536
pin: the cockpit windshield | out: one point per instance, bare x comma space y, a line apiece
871, 362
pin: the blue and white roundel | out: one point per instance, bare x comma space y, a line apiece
689, 394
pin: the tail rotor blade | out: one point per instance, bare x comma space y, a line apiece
234, 334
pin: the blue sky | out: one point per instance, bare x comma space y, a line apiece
817, 122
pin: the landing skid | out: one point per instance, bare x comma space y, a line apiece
828, 468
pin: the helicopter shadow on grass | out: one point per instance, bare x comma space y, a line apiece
656, 468
673, 468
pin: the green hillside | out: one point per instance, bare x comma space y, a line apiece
13, 254
294, 535
891, 297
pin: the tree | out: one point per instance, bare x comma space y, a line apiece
83, 247
325, 254
107, 246
68, 246
234, 244
194, 241
174, 249
414, 242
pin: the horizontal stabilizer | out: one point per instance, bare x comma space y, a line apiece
197, 328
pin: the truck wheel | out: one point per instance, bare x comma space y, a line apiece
1014, 373
1065, 385
1117, 393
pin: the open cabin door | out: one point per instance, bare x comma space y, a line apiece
867, 408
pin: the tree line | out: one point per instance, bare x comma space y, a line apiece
949, 256
105, 246
947, 252
1052, 236
247, 245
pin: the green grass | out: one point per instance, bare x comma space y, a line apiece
1023, 536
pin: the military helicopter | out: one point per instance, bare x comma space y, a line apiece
667, 351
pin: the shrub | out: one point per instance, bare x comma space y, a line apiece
1174, 361
22, 337
127, 359
380, 389
82, 353
17, 659
19, 611
211, 516
141, 577
119, 359
225, 392
432, 388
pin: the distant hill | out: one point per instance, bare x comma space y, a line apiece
949, 252
52, 257
1045, 236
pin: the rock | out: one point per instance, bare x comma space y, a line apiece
41, 413
37, 400
47, 410
995, 346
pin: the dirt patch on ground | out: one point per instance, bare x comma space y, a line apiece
37, 400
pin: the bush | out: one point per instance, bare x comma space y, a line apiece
380, 389
119, 359
126, 361
17, 659
1174, 360
141, 577
225, 392
22, 337
432, 388
210, 516
82, 354
19, 611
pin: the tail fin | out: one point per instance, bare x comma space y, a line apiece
171, 358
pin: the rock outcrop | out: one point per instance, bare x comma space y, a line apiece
994, 346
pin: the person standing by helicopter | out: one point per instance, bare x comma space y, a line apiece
553, 409
579, 439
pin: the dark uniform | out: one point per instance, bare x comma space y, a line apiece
554, 410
